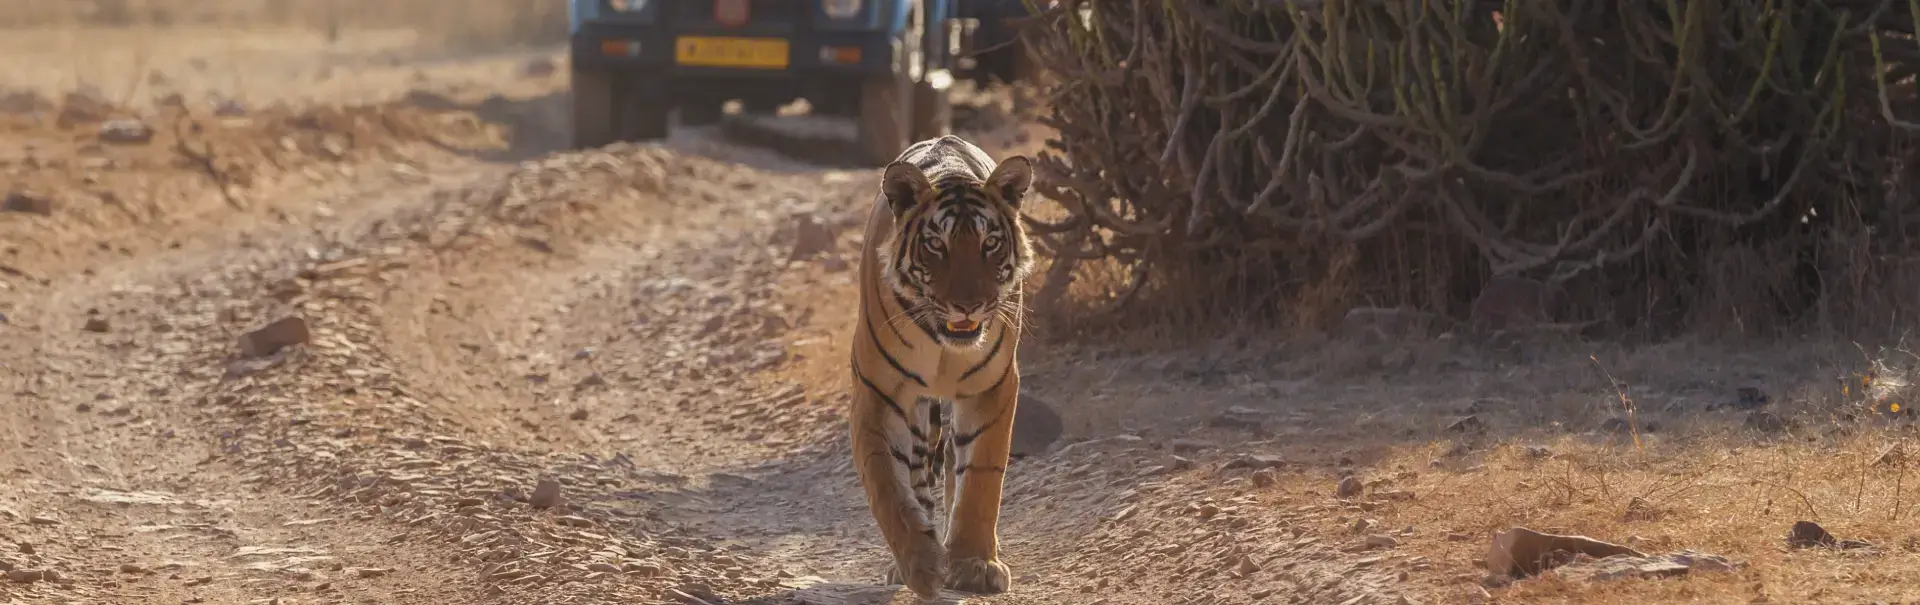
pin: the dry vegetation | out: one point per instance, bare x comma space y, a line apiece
1340, 193
1737, 167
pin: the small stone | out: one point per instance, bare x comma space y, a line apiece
42, 520
1255, 461
1639, 509
26, 548
1361, 525
229, 108
286, 290
579, 414
125, 132
695, 594
1191, 445
1381, 541
1350, 486
1539, 452
1247, 567
645, 570
25, 576
132, 568
26, 202
51, 575
1240, 417
810, 238
603, 567
370, 572
1264, 478
1036, 426
269, 339
1520, 552
97, 325
572, 521
1807, 534
546, 494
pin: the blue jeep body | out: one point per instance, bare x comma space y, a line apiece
887, 63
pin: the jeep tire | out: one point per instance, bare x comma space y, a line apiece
594, 107
887, 116
604, 113
886, 120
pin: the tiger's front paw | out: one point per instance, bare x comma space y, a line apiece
925, 573
979, 576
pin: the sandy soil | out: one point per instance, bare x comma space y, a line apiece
537, 377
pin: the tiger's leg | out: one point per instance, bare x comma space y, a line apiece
983, 436
928, 464
885, 439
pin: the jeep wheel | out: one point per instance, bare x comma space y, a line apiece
932, 108
642, 118
887, 116
594, 108
886, 112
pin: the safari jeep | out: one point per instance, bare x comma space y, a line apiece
886, 63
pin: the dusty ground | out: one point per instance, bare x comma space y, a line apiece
486, 316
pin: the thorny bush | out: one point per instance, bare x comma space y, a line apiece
1669, 163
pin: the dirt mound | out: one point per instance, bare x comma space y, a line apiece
101, 170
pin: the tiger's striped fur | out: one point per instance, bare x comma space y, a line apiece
934, 377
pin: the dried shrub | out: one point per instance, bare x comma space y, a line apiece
1662, 161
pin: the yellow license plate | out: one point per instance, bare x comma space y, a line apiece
756, 53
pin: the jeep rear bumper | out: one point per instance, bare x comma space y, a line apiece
810, 55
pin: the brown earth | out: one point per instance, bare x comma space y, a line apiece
486, 319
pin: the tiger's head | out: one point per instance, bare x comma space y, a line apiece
958, 253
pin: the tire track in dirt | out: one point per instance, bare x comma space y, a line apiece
131, 489
623, 322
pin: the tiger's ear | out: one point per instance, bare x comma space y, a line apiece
904, 185
1011, 179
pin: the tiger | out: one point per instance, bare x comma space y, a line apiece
935, 382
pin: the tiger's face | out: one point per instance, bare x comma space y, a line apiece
958, 252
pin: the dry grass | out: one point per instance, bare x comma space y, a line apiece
1703, 479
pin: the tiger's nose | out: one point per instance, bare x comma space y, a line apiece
970, 309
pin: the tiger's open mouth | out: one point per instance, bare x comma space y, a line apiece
961, 330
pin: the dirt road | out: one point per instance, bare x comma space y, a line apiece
518, 376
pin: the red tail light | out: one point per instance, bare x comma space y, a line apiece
732, 13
